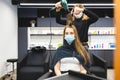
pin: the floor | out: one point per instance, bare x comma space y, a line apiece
9, 76
110, 75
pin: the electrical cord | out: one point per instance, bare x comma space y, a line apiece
50, 35
50, 30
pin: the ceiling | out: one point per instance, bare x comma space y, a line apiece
69, 1
102, 8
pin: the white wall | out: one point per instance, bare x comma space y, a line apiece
8, 34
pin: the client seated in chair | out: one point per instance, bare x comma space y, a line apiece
72, 55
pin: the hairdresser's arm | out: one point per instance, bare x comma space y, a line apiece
57, 69
58, 14
92, 16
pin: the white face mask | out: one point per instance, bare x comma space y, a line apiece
78, 15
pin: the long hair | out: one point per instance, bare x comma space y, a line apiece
78, 45
69, 19
84, 17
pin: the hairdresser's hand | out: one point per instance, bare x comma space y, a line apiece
58, 6
82, 9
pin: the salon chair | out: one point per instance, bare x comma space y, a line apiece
98, 68
74, 75
34, 64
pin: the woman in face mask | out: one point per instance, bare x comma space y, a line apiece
80, 17
71, 55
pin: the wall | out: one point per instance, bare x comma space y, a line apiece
39, 36
22, 43
8, 34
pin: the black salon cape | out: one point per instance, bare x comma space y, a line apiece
67, 51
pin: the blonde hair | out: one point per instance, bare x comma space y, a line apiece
78, 45
85, 17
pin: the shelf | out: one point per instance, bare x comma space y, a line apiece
62, 34
101, 34
96, 35
101, 48
45, 34
25, 22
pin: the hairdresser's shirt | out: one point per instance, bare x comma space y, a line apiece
82, 26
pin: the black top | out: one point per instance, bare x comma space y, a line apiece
82, 26
68, 51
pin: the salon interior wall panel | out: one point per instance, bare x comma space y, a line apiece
99, 37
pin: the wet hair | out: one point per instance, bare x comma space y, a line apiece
69, 19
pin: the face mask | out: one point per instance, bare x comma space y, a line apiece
78, 15
69, 38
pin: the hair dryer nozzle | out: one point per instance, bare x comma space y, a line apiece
64, 4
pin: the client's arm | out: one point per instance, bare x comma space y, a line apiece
83, 70
57, 69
